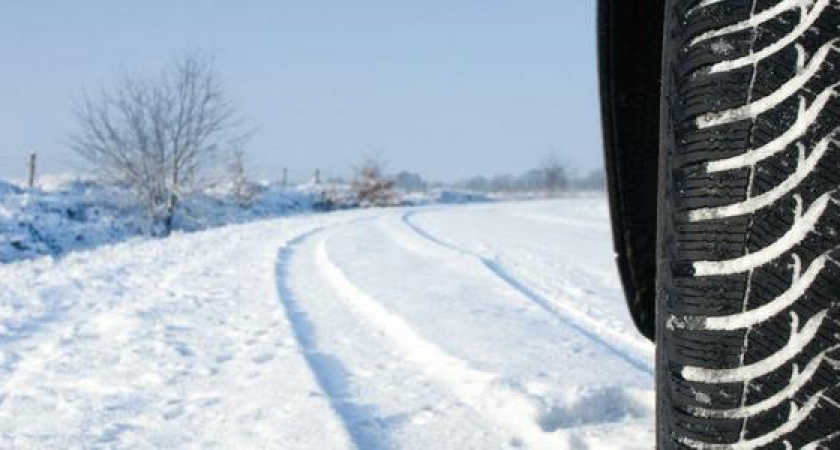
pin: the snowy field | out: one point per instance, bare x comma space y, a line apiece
484, 326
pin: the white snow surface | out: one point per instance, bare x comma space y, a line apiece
489, 326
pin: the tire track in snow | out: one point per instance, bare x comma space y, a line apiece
567, 315
161, 343
531, 421
328, 371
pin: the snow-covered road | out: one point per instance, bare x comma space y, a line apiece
467, 327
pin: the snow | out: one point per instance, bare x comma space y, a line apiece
485, 326
804, 224
753, 21
806, 115
787, 90
804, 166
807, 18
799, 339
68, 214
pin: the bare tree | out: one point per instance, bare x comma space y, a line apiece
477, 183
410, 182
554, 176
370, 186
594, 180
245, 191
502, 183
161, 135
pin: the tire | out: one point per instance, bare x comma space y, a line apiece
748, 281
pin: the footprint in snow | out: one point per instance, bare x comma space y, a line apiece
173, 413
263, 358
183, 349
8, 360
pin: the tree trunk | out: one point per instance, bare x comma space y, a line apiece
169, 218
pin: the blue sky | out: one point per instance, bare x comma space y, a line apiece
445, 88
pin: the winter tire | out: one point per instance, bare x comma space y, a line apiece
748, 280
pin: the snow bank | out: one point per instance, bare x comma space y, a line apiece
70, 215
67, 214
444, 197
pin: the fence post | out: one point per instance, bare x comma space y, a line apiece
317, 176
33, 160
285, 179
